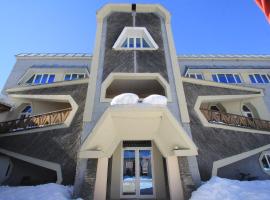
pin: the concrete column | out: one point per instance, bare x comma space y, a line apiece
101, 179
175, 185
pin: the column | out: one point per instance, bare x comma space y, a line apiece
101, 179
175, 185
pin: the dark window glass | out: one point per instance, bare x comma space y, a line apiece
252, 79
145, 44
67, 77
125, 44
222, 78
37, 79
138, 42
265, 79
214, 77
199, 76
258, 78
80, 76
51, 78
44, 78
237, 78
30, 80
74, 76
264, 162
131, 42
230, 78
192, 76
246, 109
214, 108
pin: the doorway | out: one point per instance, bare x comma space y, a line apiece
137, 177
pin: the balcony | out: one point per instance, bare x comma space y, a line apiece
37, 121
239, 121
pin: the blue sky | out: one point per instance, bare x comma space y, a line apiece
68, 26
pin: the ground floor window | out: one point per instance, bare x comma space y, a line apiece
137, 172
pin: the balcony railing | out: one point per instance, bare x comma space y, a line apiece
36, 121
228, 119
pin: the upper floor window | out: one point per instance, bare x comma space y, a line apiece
214, 108
227, 78
246, 111
135, 38
41, 79
69, 77
26, 112
195, 75
259, 78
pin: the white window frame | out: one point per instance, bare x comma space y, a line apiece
42, 74
195, 74
137, 173
227, 78
71, 74
263, 154
135, 32
260, 74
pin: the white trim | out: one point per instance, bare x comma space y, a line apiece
35, 161
51, 85
100, 190
232, 159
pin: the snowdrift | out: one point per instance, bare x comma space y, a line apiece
220, 188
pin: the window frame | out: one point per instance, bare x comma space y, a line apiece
126, 43
24, 115
196, 75
41, 78
255, 78
264, 155
71, 74
216, 75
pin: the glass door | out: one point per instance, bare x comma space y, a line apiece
137, 174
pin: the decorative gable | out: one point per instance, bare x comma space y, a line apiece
135, 38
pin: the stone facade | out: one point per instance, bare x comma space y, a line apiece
214, 143
56, 145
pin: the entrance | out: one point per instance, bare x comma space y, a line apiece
137, 173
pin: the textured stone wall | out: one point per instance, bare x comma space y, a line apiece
214, 143
187, 182
123, 61
59, 145
250, 165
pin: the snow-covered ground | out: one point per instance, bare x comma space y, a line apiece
225, 189
49, 191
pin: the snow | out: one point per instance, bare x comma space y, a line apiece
155, 100
49, 191
219, 188
125, 98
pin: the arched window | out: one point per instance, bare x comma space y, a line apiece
214, 108
247, 112
26, 112
265, 161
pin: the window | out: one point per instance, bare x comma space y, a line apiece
227, 78
265, 161
132, 38
259, 78
70, 77
26, 112
247, 112
195, 75
37, 79
214, 108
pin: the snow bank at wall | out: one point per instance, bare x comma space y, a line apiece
155, 100
125, 98
49, 191
225, 189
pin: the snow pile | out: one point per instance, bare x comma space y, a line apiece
126, 98
49, 191
155, 100
220, 188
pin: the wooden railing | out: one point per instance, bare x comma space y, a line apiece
235, 120
36, 121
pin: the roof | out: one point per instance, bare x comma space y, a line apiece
5, 105
219, 56
53, 55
